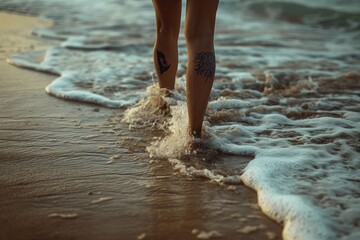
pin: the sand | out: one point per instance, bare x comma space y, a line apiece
74, 171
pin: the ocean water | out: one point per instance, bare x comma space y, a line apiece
287, 92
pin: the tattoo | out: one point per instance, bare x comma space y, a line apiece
205, 64
163, 64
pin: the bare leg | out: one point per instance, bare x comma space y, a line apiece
199, 34
168, 16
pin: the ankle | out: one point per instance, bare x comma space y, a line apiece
195, 133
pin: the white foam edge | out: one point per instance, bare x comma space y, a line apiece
19, 61
59, 86
79, 43
205, 173
293, 210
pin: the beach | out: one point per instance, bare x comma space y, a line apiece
70, 170
91, 147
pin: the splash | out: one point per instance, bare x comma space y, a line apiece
292, 151
286, 95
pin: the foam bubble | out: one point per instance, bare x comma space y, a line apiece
96, 77
289, 100
291, 157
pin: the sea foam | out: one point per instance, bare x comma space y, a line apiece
300, 166
286, 95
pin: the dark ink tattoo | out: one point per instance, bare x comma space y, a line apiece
205, 64
163, 64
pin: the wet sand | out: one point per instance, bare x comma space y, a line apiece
74, 171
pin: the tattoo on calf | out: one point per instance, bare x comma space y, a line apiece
163, 64
205, 64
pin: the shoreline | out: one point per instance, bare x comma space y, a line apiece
56, 181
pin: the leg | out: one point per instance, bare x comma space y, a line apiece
168, 16
199, 34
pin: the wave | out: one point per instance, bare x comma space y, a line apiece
285, 114
318, 16
299, 165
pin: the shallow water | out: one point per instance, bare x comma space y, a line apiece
287, 93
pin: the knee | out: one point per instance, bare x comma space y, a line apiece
196, 36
